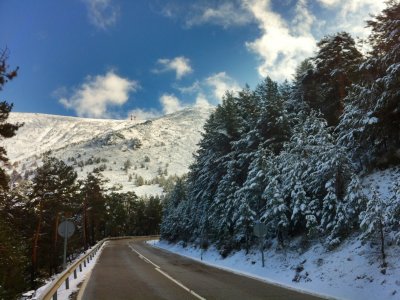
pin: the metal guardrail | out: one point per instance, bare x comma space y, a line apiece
51, 291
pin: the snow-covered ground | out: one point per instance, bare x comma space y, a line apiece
129, 153
352, 271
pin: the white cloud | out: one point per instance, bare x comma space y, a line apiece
284, 41
97, 94
202, 101
102, 13
350, 15
170, 103
225, 14
220, 83
180, 65
193, 88
303, 20
279, 47
329, 3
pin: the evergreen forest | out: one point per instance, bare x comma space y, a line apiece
291, 154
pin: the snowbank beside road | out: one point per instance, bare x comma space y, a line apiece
352, 271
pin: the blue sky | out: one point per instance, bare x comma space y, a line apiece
114, 58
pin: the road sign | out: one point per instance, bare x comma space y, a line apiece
260, 229
66, 229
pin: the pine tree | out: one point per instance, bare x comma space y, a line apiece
15, 222
249, 199
347, 212
393, 210
7, 130
169, 228
153, 213
336, 68
277, 213
117, 215
94, 214
272, 125
373, 221
371, 123
54, 191
223, 209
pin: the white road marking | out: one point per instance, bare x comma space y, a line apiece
144, 258
158, 269
180, 284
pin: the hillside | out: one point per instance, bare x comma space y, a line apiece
353, 270
125, 151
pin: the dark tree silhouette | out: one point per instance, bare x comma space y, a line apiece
7, 130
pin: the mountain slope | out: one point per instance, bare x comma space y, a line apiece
128, 153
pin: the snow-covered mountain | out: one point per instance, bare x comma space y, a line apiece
127, 152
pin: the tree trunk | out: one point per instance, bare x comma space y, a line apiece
85, 223
35, 246
382, 242
54, 263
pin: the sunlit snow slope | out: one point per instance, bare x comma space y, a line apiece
125, 151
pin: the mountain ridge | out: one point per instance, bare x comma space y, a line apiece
129, 153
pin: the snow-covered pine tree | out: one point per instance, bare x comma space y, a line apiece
355, 126
273, 125
347, 211
393, 211
336, 172
249, 196
277, 213
223, 215
336, 67
169, 228
373, 221
371, 120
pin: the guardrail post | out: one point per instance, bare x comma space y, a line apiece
51, 291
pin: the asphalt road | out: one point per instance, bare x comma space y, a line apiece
131, 269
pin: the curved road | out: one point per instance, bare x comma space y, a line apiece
131, 269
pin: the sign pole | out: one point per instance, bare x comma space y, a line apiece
66, 229
262, 251
259, 230
65, 244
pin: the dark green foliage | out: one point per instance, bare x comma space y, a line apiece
14, 251
93, 209
129, 215
7, 130
336, 68
370, 125
13, 248
53, 198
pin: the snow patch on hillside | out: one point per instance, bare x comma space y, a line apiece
146, 190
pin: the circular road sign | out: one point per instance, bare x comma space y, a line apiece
66, 229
